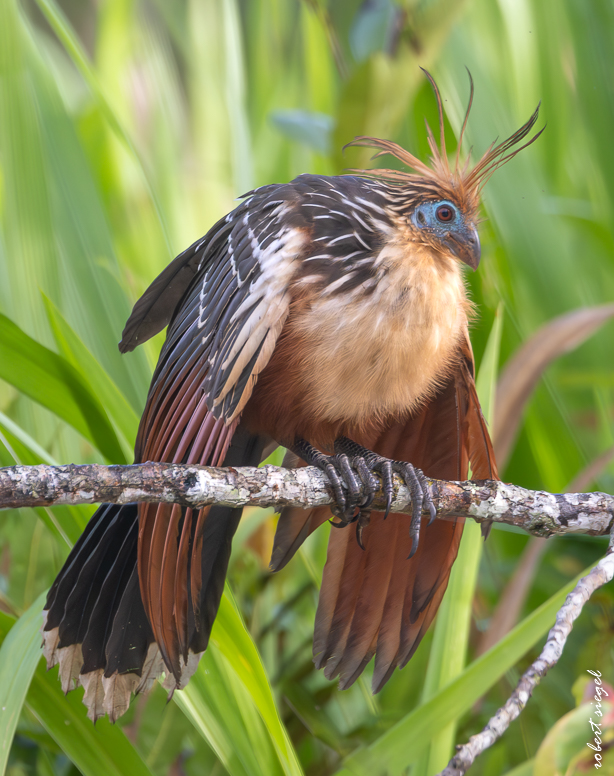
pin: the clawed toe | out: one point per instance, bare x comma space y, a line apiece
352, 500
367, 461
369, 483
354, 466
348, 504
384, 467
340, 506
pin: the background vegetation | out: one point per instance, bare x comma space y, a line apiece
126, 129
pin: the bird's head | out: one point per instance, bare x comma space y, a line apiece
447, 227
437, 203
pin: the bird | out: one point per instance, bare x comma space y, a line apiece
328, 315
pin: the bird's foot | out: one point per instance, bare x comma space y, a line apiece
352, 506
366, 461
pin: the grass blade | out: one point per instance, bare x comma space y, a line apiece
76, 352
62, 29
216, 702
50, 380
231, 640
19, 655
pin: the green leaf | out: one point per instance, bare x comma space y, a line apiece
486, 380
372, 28
566, 749
231, 640
50, 380
19, 655
25, 449
217, 704
66, 34
76, 352
101, 750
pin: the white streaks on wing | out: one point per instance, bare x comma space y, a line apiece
385, 228
355, 206
202, 258
201, 305
371, 205
360, 240
341, 237
339, 213
363, 223
269, 302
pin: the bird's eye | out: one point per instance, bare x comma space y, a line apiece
444, 213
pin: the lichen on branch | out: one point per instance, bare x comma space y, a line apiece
537, 512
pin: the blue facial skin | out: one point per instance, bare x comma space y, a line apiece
443, 220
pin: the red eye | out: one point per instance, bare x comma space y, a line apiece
444, 213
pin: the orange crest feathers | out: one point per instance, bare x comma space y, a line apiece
466, 183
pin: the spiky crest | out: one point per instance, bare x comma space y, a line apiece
438, 178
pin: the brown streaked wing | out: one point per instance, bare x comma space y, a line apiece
222, 333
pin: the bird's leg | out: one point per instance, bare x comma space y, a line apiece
364, 459
340, 469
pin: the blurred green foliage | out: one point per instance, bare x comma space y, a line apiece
126, 129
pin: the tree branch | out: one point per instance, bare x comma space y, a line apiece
552, 651
537, 512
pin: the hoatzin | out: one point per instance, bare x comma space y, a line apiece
328, 315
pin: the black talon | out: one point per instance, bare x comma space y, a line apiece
414, 479
362, 523
416, 490
384, 467
355, 465
359, 536
359, 530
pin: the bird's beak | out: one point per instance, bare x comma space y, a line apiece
465, 246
